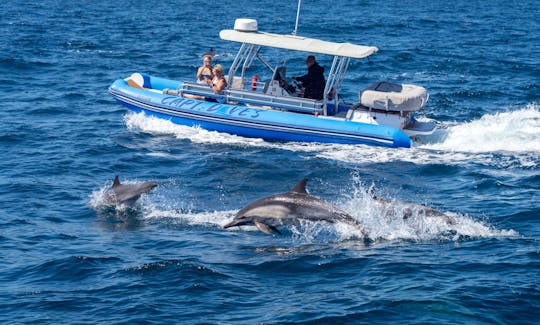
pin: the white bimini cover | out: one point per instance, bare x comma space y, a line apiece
298, 43
394, 97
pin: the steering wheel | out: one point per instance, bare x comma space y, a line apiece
297, 86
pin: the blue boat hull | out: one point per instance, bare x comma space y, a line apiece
250, 121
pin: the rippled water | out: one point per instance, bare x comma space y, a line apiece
66, 258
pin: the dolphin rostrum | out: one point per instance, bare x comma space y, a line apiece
288, 209
126, 194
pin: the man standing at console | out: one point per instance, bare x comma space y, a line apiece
313, 81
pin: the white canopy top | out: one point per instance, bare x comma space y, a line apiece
298, 43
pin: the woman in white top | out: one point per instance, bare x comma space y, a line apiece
218, 82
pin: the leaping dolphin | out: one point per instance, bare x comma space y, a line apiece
288, 209
126, 194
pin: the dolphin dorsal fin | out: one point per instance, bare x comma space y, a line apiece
300, 187
116, 181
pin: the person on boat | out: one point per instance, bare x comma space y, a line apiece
204, 73
218, 82
313, 82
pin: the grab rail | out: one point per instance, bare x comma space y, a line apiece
294, 104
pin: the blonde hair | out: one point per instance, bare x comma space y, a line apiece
218, 68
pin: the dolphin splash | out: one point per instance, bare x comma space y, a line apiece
126, 194
406, 210
288, 209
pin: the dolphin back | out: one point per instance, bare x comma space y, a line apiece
127, 194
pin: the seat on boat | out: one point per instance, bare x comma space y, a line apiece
394, 97
237, 83
141, 81
137, 80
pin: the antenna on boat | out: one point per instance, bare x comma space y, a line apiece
297, 17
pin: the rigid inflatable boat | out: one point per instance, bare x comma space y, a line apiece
273, 107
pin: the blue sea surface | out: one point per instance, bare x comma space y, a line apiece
67, 258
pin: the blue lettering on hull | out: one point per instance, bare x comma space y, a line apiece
196, 105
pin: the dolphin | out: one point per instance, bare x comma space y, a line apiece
288, 209
428, 212
408, 209
126, 194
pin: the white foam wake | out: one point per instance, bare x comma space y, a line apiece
153, 125
205, 218
385, 220
97, 198
516, 131
515, 135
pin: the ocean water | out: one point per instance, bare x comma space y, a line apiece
66, 258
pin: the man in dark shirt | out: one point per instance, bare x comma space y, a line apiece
313, 81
